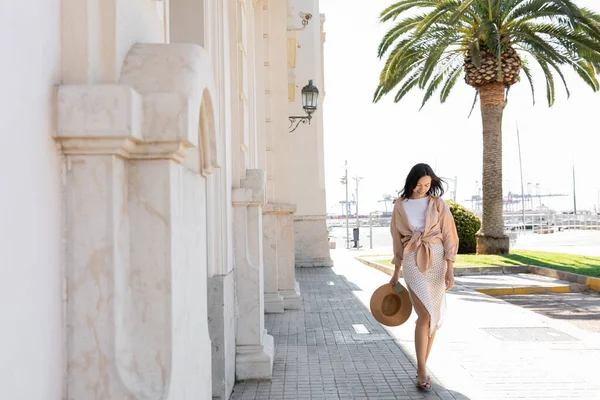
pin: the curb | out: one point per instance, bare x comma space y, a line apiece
580, 282
517, 269
500, 291
376, 265
587, 281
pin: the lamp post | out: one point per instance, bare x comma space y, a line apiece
454, 181
310, 102
574, 191
344, 181
357, 179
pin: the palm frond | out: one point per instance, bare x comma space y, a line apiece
474, 102
529, 76
450, 82
435, 83
460, 11
396, 9
395, 33
421, 49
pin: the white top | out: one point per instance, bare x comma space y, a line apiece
415, 212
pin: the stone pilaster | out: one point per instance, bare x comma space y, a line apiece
254, 347
312, 250
279, 263
287, 286
273, 300
137, 154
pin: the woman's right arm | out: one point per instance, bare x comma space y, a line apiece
398, 247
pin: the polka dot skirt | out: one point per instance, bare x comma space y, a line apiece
429, 288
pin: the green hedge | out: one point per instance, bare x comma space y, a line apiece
467, 225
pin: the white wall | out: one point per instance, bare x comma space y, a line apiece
308, 191
98, 34
30, 207
138, 21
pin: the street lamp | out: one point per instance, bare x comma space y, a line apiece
455, 184
310, 101
344, 181
357, 179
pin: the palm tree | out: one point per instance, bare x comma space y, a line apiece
492, 42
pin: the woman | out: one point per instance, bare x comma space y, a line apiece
425, 246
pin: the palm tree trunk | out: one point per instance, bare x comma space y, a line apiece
491, 238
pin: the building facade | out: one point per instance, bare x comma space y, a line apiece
163, 204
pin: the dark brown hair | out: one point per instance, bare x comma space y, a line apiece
416, 173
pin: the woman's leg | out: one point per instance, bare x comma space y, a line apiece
422, 346
430, 343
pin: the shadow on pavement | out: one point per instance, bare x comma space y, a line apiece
320, 354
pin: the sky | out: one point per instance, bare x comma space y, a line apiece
382, 141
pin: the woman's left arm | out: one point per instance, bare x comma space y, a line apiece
450, 240
449, 234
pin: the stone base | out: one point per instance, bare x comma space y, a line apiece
221, 326
488, 244
314, 262
311, 241
291, 298
273, 303
255, 362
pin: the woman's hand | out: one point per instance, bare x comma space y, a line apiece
449, 276
395, 277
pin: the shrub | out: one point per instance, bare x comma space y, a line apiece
467, 225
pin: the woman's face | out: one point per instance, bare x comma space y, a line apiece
423, 186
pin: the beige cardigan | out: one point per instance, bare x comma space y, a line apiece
439, 228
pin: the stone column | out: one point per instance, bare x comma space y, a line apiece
136, 253
273, 300
264, 126
137, 156
97, 263
281, 289
289, 289
254, 347
206, 23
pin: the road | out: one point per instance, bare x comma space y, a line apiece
570, 242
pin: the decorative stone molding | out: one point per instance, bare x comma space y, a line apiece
161, 109
109, 110
178, 101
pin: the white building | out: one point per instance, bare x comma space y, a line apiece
154, 202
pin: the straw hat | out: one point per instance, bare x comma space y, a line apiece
391, 306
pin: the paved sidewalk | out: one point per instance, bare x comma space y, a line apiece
581, 309
487, 349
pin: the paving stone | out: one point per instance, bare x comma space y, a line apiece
319, 355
